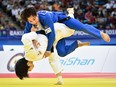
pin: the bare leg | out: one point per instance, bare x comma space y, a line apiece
80, 44
64, 49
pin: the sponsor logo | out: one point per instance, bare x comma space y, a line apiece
13, 60
16, 33
77, 61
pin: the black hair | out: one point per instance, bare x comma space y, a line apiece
21, 68
27, 12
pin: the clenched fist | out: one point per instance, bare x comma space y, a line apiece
47, 54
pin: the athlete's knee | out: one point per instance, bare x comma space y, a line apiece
61, 50
61, 53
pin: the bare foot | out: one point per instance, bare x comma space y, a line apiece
70, 10
105, 36
80, 44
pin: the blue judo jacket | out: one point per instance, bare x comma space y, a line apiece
47, 20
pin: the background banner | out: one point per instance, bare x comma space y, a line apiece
90, 59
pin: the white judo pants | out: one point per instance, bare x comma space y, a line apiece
61, 31
55, 63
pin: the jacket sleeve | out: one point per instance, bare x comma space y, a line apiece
27, 27
51, 36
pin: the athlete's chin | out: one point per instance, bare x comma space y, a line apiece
36, 23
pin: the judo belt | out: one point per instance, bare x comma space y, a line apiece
42, 32
64, 19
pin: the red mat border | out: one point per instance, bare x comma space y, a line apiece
65, 75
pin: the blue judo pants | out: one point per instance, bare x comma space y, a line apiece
72, 23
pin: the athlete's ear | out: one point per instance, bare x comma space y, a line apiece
30, 65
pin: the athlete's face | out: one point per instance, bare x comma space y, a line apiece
31, 65
33, 20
